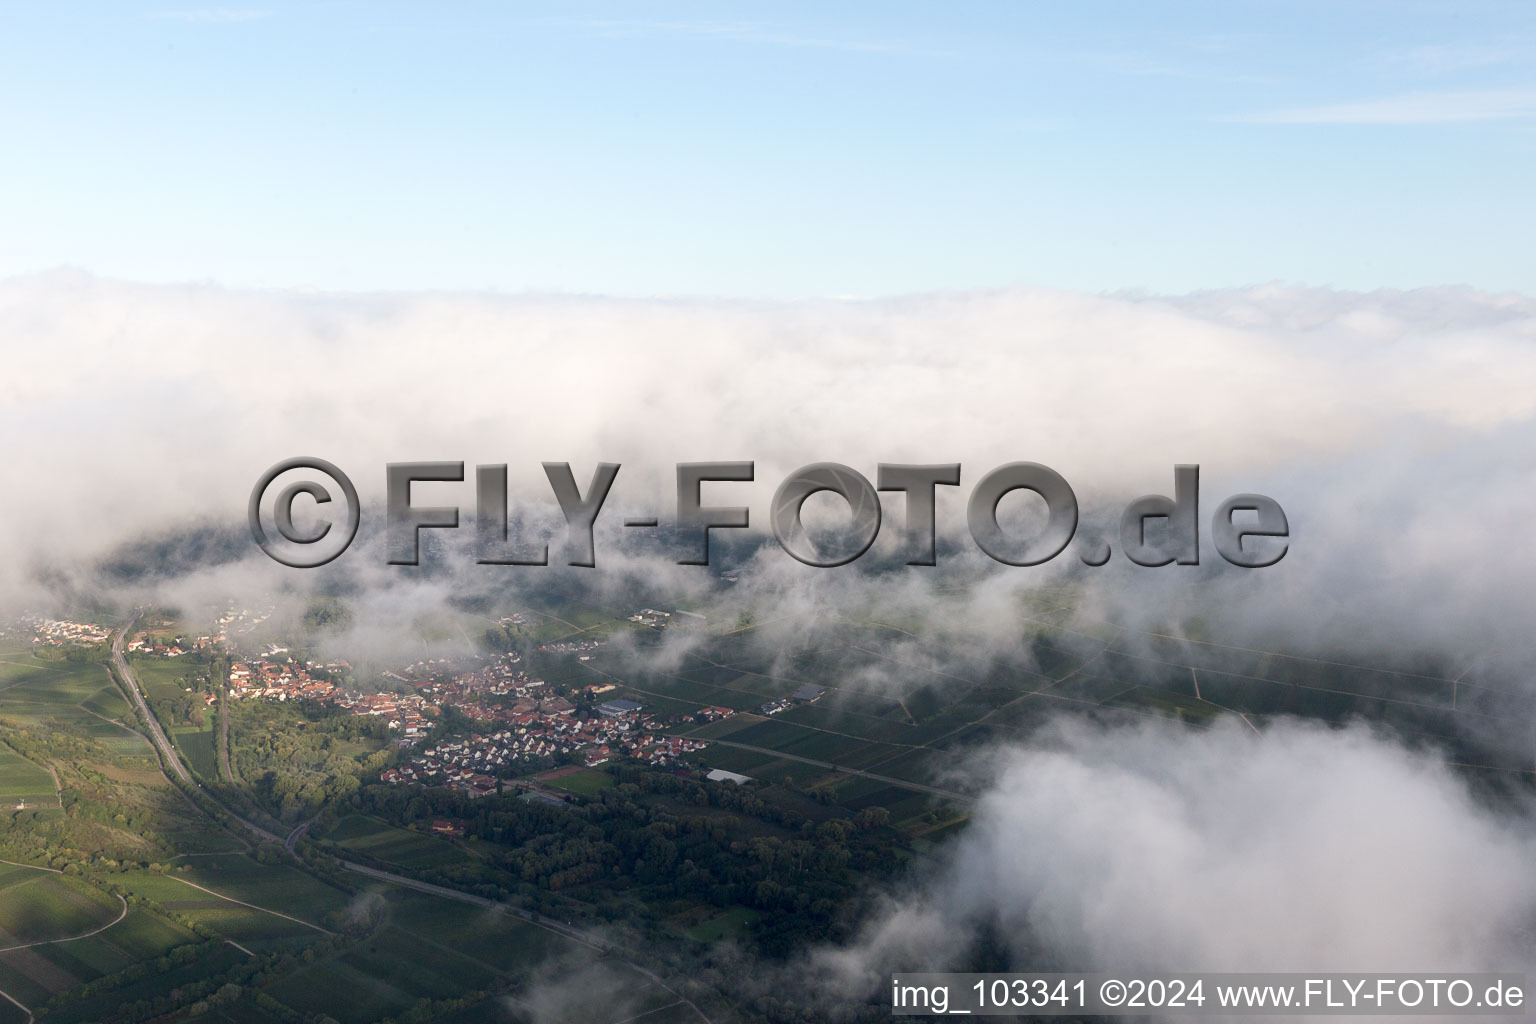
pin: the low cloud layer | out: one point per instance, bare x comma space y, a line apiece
1395, 428
1157, 849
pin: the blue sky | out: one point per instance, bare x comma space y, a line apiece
772, 149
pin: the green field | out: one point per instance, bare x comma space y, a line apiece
219, 912
102, 1006
164, 677
433, 948
940, 715
81, 695
21, 780
196, 746
279, 887
730, 924
404, 848
38, 906
583, 783
52, 907
34, 974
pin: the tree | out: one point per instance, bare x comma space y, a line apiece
871, 818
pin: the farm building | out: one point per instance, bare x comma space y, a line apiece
617, 708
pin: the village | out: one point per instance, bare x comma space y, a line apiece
539, 729
47, 632
521, 722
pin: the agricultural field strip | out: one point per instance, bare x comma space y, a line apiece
225, 768
565, 931
1250, 650
809, 728
794, 682
253, 906
183, 881
58, 790
122, 913
1037, 692
36, 664
902, 783
918, 787
941, 649
1112, 646
755, 695
1041, 692
647, 1013
1438, 708
1247, 716
1295, 657
1491, 767
112, 721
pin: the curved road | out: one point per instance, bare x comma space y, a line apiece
296, 835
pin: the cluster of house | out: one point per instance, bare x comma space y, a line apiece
523, 720
270, 677
58, 632
806, 694
499, 678
708, 715
238, 622
405, 713
463, 764
546, 728
669, 750
584, 648
651, 617
277, 680
146, 644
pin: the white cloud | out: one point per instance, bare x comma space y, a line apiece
214, 15
1396, 428
1412, 108
755, 32
1444, 58
1163, 849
